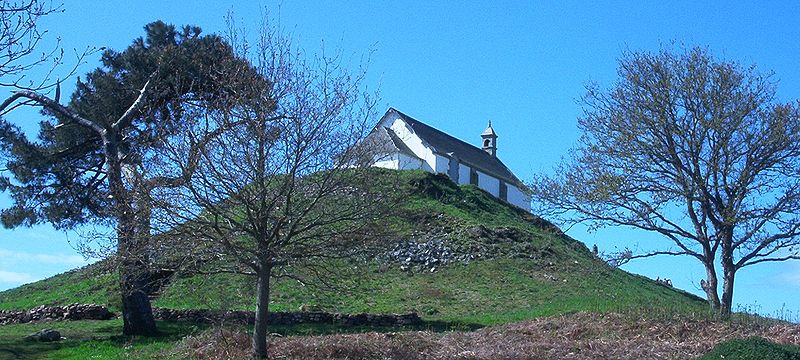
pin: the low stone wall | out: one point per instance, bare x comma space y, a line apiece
53, 313
289, 318
99, 312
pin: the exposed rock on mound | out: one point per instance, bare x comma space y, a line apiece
428, 252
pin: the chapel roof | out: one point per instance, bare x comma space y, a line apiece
489, 130
447, 145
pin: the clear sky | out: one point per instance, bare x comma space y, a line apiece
457, 64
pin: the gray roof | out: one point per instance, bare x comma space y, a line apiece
489, 130
449, 146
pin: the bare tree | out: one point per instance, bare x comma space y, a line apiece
20, 36
694, 149
281, 190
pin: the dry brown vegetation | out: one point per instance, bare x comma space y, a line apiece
573, 336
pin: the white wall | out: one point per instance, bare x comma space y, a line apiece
406, 162
442, 164
414, 143
518, 198
463, 174
489, 183
399, 161
388, 161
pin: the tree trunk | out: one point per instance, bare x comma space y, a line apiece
262, 316
728, 275
710, 285
137, 315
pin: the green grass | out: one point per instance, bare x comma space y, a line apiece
754, 348
91, 340
92, 284
484, 292
88, 339
544, 273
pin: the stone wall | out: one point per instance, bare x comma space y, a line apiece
52, 313
289, 318
99, 312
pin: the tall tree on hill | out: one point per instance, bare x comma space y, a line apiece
280, 192
692, 148
90, 161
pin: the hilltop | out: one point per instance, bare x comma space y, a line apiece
460, 255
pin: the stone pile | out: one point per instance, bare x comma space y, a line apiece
53, 313
429, 252
288, 318
420, 256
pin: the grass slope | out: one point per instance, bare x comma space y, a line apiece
90, 284
543, 273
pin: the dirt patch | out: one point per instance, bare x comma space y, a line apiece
574, 336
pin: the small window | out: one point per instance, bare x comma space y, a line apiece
503, 191
473, 177
486, 143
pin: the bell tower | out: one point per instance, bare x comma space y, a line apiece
489, 140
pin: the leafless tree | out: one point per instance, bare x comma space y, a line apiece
20, 36
692, 148
281, 190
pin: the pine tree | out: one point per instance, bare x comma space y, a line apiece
91, 158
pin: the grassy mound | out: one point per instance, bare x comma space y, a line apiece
90, 284
523, 267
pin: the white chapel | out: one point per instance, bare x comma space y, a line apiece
411, 144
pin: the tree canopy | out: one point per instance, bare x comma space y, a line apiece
90, 161
60, 177
695, 149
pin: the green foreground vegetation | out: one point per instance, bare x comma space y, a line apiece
544, 273
754, 348
91, 340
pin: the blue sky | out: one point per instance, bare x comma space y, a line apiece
456, 65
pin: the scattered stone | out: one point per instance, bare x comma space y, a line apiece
420, 256
54, 313
46, 335
430, 250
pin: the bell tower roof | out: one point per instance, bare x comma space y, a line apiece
489, 139
489, 131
